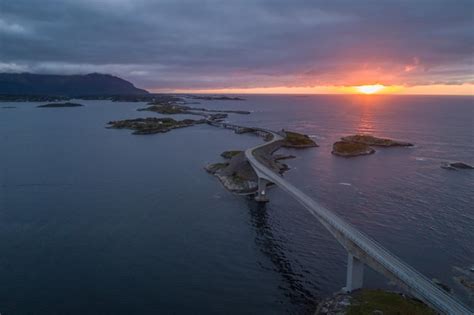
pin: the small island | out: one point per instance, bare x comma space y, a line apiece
456, 166
146, 126
173, 108
356, 145
297, 141
351, 149
59, 105
375, 141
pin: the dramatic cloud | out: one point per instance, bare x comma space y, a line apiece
247, 43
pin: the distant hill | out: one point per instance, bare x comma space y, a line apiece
65, 85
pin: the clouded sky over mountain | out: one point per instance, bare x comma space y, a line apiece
240, 44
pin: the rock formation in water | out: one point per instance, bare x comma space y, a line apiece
59, 105
350, 149
375, 141
356, 145
297, 140
456, 166
145, 126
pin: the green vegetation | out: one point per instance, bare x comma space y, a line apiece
298, 140
343, 148
215, 167
374, 141
388, 303
144, 126
57, 105
230, 154
166, 109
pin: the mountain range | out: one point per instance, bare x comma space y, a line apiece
66, 85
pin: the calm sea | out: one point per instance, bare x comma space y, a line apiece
100, 221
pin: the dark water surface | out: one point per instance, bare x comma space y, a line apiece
99, 221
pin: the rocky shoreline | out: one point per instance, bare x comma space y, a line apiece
376, 302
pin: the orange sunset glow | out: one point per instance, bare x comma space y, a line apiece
435, 89
370, 89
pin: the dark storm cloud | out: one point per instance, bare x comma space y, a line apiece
216, 44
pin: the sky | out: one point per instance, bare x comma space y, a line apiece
275, 46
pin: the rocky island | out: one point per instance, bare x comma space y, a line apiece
375, 141
456, 166
356, 145
297, 141
173, 108
215, 98
59, 105
350, 149
146, 126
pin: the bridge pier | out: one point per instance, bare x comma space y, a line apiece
355, 274
261, 193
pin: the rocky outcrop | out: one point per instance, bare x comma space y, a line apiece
297, 140
375, 141
230, 154
236, 175
456, 166
59, 105
351, 149
356, 145
145, 126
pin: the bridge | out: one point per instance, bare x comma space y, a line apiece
361, 249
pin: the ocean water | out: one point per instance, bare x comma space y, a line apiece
100, 221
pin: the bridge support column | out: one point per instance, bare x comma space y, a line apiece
261, 193
355, 274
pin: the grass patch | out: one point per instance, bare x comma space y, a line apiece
368, 301
297, 139
350, 147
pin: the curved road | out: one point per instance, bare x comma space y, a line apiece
421, 286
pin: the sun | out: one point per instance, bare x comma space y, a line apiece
370, 89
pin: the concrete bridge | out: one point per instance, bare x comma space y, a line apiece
361, 249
